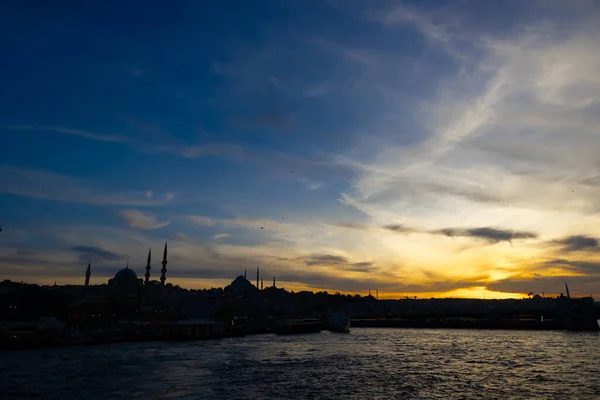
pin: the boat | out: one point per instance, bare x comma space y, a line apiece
295, 326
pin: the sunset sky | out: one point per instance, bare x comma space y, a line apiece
418, 148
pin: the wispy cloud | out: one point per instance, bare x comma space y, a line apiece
351, 225
57, 187
492, 108
221, 236
86, 251
310, 184
75, 132
201, 220
137, 219
361, 56
401, 14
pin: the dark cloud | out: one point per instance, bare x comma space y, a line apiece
333, 260
324, 259
580, 267
96, 251
577, 243
553, 284
398, 228
490, 234
361, 267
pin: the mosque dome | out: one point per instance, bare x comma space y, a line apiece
125, 285
241, 286
126, 274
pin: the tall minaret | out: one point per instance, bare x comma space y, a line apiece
273, 281
245, 274
257, 276
163, 271
148, 266
377, 294
88, 272
262, 283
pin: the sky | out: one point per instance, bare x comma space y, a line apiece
446, 149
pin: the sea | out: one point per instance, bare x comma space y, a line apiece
367, 363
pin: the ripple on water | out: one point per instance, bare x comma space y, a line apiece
367, 363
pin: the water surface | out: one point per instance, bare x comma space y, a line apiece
365, 364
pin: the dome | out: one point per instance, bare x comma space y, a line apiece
241, 285
125, 284
126, 274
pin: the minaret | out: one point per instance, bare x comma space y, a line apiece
163, 271
262, 283
257, 276
377, 294
567, 288
245, 274
148, 266
88, 272
273, 281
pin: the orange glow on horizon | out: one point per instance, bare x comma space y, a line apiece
479, 292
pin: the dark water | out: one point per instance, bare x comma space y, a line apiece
365, 364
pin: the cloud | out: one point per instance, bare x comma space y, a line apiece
360, 266
351, 225
57, 187
324, 259
488, 144
221, 236
201, 220
398, 228
400, 14
579, 267
74, 132
360, 56
225, 150
86, 251
490, 234
137, 219
593, 181
310, 184
577, 243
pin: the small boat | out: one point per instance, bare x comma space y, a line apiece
295, 326
338, 323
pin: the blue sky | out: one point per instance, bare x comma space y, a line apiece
371, 141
